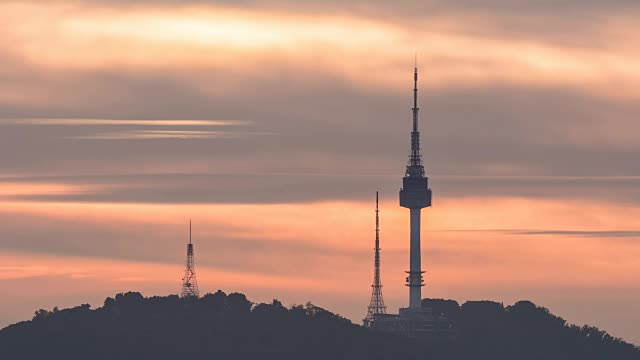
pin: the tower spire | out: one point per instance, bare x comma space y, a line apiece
415, 167
189, 282
376, 306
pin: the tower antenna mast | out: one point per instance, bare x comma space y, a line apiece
376, 306
189, 282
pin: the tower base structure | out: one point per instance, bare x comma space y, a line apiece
417, 323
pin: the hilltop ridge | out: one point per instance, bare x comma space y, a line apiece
218, 325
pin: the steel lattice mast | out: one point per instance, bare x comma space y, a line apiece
189, 282
376, 306
415, 195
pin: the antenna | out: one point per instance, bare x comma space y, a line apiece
189, 282
415, 167
376, 306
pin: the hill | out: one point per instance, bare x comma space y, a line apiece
218, 325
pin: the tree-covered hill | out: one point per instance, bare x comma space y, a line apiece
488, 330
221, 326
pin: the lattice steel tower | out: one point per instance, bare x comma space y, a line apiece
376, 306
415, 195
189, 282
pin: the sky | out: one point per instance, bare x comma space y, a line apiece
272, 124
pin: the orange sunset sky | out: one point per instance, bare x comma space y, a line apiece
272, 124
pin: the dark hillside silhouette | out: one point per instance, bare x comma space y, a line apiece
219, 326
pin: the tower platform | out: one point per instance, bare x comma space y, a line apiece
417, 323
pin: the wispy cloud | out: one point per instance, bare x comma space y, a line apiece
580, 233
29, 271
17, 189
85, 122
264, 184
231, 38
572, 233
168, 134
126, 133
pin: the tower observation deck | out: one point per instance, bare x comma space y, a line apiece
415, 195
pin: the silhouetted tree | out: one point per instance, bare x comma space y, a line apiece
441, 307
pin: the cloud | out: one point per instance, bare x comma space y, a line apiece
126, 133
298, 187
495, 142
254, 236
341, 116
402, 7
230, 38
121, 122
166, 134
604, 234
595, 234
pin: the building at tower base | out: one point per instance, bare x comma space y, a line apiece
417, 323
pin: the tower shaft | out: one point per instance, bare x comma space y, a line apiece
414, 280
415, 195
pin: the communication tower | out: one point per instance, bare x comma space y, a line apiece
415, 195
189, 282
376, 306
